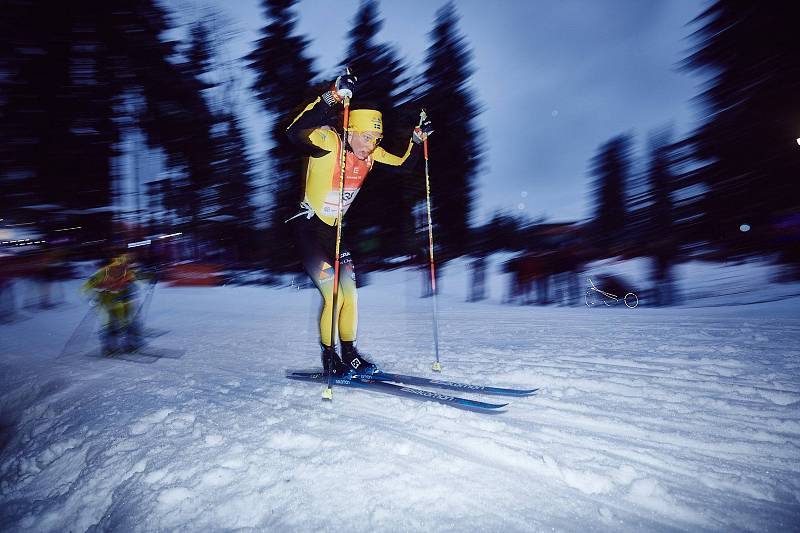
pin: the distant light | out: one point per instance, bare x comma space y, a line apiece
521, 206
170, 235
140, 243
744, 228
524, 194
798, 140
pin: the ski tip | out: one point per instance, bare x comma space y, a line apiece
491, 408
480, 406
437, 366
327, 393
517, 393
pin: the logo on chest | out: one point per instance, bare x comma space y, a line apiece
355, 172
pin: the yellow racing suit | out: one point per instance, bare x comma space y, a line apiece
315, 228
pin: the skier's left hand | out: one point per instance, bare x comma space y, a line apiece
345, 85
423, 131
94, 302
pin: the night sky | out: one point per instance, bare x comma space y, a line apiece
555, 79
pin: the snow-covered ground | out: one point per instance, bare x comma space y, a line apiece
647, 419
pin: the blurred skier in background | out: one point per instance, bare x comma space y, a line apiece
113, 292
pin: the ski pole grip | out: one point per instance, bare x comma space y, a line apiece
422, 116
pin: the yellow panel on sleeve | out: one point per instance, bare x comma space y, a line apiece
382, 156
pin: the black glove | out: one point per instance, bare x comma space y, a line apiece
345, 85
424, 130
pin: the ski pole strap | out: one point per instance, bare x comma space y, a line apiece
306, 210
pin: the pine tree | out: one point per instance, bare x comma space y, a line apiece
380, 79
71, 70
747, 148
611, 169
234, 187
660, 233
57, 139
284, 75
224, 196
197, 190
456, 144
661, 182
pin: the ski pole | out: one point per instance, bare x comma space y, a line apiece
327, 393
80, 336
144, 306
437, 367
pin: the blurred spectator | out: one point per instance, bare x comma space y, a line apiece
566, 267
47, 269
664, 253
477, 286
8, 303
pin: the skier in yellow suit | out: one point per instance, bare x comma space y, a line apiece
113, 288
314, 227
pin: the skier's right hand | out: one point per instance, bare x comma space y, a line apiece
424, 130
345, 85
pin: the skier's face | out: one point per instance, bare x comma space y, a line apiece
363, 143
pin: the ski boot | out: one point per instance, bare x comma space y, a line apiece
133, 337
109, 341
109, 351
133, 346
133, 341
354, 362
331, 361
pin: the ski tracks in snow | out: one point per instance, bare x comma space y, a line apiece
709, 441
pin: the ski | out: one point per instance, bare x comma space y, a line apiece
452, 385
153, 333
439, 383
364, 382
